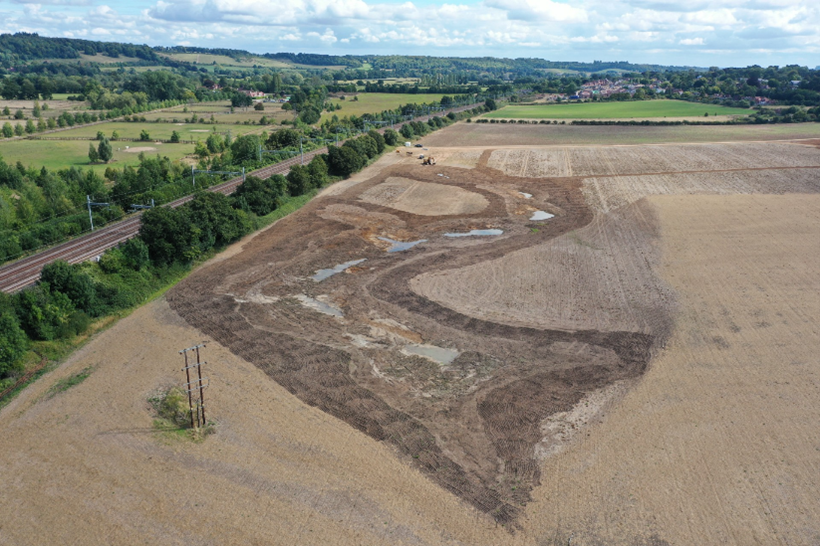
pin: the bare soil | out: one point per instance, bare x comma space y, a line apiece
718, 442
471, 425
639, 369
497, 135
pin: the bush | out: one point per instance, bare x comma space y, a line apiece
13, 342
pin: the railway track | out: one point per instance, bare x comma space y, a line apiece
25, 272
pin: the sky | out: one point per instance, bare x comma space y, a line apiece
669, 32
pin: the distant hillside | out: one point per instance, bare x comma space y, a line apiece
24, 47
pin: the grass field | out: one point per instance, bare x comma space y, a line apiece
162, 131
373, 103
224, 60
61, 154
222, 114
617, 110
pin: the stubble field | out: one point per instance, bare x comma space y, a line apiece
635, 366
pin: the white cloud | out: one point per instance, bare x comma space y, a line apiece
784, 31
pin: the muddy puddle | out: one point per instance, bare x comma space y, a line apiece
476, 233
320, 306
400, 246
541, 215
439, 354
322, 274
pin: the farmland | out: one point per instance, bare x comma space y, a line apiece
500, 135
634, 367
373, 103
651, 109
61, 154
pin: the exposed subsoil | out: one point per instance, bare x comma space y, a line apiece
471, 425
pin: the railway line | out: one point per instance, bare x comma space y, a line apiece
25, 272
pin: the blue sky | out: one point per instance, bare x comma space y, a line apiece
681, 32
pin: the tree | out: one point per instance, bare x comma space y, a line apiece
377, 136
218, 223
260, 196
344, 160
93, 155
490, 104
144, 136
30, 127
391, 137
13, 342
78, 286
283, 138
407, 131
298, 180
318, 172
215, 143
19, 115
241, 100
174, 137
135, 253
18, 130
170, 235
259, 106
104, 151
245, 147
8, 130
6, 111
115, 135
100, 135
36, 110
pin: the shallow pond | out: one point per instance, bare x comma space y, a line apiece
322, 274
476, 233
541, 215
320, 306
399, 246
439, 354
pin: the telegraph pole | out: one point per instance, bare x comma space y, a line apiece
196, 387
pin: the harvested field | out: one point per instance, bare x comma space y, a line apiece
623, 160
495, 135
718, 443
610, 193
424, 198
637, 369
572, 282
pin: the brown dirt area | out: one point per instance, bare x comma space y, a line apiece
718, 443
637, 369
424, 198
497, 135
471, 425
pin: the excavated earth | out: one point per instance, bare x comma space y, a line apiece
478, 424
